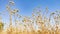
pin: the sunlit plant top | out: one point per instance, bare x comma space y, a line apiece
37, 23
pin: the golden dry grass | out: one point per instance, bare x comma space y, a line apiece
41, 20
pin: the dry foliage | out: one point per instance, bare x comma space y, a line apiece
26, 24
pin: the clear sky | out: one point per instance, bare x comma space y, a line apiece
26, 6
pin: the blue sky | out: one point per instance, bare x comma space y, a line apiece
26, 6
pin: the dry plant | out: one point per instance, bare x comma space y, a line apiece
26, 24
